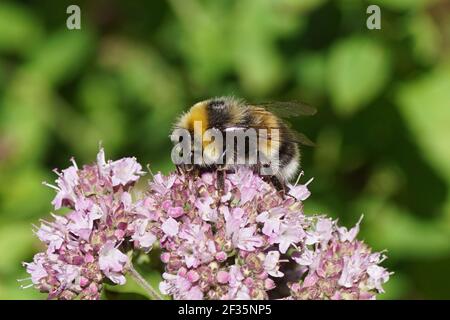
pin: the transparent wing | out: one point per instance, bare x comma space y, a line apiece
303, 139
294, 136
289, 108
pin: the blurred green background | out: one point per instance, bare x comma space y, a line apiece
382, 131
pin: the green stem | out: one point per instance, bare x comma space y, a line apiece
154, 295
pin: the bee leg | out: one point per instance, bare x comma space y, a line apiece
220, 181
279, 185
221, 171
188, 170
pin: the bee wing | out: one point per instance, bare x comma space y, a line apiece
289, 108
303, 139
295, 136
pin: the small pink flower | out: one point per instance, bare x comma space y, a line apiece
287, 235
223, 277
112, 262
66, 183
36, 268
322, 232
246, 239
53, 234
82, 222
206, 212
234, 219
377, 276
170, 227
306, 258
175, 212
162, 184
194, 294
352, 270
143, 238
269, 284
349, 235
193, 276
221, 256
125, 171
271, 220
310, 280
165, 257
271, 264
300, 192
68, 273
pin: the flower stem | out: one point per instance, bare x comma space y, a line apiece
154, 295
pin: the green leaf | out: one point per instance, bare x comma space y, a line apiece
424, 104
62, 56
25, 196
446, 210
153, 278
398, 285
204, 38
401, 4
146, 77
16, 243
100, 99
304, 5
20, 30
255, 29
114, 295
311, 71
358, 69
388, 226
426, 38
10, 289
25, 112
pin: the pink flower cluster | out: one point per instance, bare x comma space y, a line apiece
245, 241
334, 265
250, 241
82, 246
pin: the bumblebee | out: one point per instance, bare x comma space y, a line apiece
274, 144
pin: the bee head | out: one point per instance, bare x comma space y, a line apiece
219, 112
